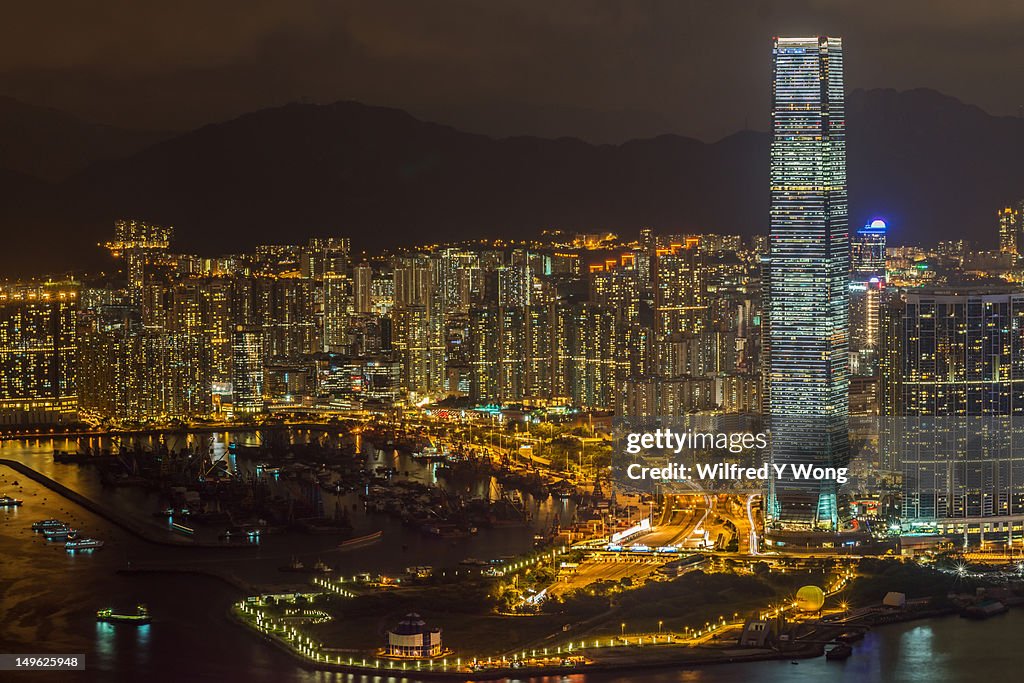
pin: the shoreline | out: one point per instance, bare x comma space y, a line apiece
133, 527
664, 659
497, 674
668, 659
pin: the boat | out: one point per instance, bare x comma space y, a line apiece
8, 502
44, 524
83, 544
294, 566
445, 531
241, 534
839, 652
140, 617
61, 533
319, 567
430, 451
360, 541
562, 489
983, 609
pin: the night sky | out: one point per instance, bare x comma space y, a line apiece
599, 69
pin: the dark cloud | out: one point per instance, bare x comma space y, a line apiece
598, 67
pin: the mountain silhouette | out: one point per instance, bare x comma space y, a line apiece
934, 167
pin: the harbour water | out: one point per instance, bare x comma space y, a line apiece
48, 600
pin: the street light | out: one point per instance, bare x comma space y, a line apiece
659, 625
623, 629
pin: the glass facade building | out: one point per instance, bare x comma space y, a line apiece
809, 275
955, 394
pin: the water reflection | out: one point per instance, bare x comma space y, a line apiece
51, 596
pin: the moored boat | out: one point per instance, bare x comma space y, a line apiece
295, 565
63, 532
839, 652
44, 524
983, 609
9, 502
83, 544
140, 617
319, 567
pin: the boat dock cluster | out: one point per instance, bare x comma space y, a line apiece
57, 531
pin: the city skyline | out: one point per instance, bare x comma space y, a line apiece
330, 390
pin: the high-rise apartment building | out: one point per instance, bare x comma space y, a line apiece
137, 242
247, 361
1011, 225
679, 295
38, 346
362, 288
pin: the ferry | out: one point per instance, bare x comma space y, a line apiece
140, 617
8, 502
44, 524
63, 532
83, 544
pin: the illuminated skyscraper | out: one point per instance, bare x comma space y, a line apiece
362, 286
809, 279
680, 302
867, 252
418, 318
1011, 225
585, 353
1009, 231
867, 282
619, 286
247, 359
484, 355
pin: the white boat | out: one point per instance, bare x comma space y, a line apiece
84, 544
431, 452
44, 524
63, 532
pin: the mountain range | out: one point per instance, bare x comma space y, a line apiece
933, 167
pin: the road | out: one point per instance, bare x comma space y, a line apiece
604, 568
680, 517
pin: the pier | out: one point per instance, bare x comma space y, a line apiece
126, 523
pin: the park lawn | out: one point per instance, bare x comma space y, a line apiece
468, 635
